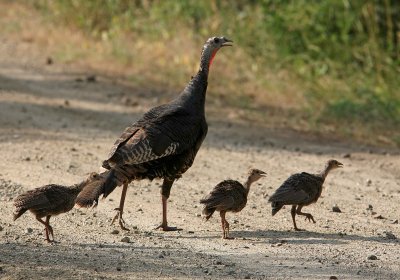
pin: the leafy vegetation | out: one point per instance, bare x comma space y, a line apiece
342, 54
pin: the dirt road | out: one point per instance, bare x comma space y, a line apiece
56, 126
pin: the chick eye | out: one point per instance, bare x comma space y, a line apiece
216, 40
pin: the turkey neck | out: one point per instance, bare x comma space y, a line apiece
325, 172
247, 185
194, 94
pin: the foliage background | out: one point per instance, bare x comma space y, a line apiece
328, 67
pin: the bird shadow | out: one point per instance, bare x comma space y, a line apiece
307, 237
97, 259
294, 237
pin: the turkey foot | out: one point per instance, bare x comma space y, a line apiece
310, 218
49, 232
121, 221
165, 227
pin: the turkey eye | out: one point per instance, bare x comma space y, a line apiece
216, 40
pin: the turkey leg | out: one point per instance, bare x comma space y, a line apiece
309, 217
120, 209
165, 191
225, 226
48, 228
293, 212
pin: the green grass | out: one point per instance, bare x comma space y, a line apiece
341, 56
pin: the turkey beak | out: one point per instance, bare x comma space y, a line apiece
227, 43
263, 174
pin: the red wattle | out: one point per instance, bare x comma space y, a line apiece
212, 56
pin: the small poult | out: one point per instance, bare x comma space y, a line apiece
300, 190
48, 201
229, 196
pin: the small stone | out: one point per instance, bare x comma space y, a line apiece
369, 182
278, 244
118, 268
372, 257
160, 256
125, 239
347, 155
191, 232
29, 230
336, 209
1, 228
198, 215
91, 79
333, 277
390, 235
49, 60
395, 222
27, 159
247, 277
379, 217
370, 207
66, 102
115, 231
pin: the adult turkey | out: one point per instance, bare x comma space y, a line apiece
229, 196
300, 190
162, 144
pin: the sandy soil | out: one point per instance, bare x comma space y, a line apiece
56, 127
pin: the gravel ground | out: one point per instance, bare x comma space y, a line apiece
56, 126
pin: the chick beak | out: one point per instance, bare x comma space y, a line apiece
340, 165
227, 43
263, 174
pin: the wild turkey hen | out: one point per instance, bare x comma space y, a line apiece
162, 144
229, 196
300, 190
48, 201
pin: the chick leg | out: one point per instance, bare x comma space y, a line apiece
309, 217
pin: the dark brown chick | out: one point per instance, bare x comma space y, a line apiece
229, 196
48, 201
300, 190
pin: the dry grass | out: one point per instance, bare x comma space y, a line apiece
240, 87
